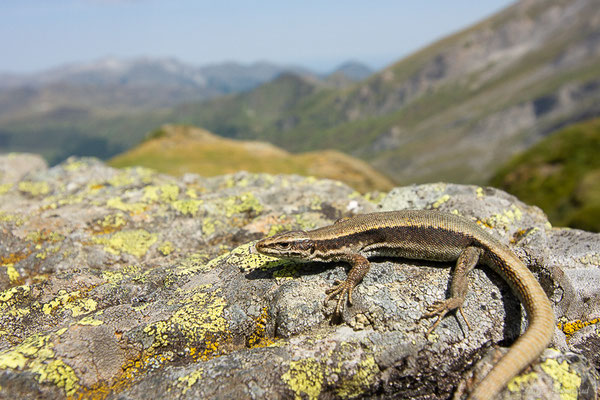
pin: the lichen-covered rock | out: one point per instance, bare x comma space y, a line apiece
119, 283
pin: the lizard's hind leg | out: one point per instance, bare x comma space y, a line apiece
459, 288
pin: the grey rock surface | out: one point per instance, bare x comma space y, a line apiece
119, 283
14, 166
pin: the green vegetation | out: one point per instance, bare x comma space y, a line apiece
176, 150
58, 135
561, 174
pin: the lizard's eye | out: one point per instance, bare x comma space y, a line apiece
284, 245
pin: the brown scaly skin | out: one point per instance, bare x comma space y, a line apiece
435, 236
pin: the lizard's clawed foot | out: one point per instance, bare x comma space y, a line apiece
343, 289
441, 307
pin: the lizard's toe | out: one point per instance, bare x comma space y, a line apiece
341, 289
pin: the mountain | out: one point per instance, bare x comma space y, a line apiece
560, 174
179, 149
104, 107
348, 72
453, 111
353, 70
116, 85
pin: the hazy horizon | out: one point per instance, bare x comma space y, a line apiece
36, 35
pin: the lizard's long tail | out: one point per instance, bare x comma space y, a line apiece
538, 334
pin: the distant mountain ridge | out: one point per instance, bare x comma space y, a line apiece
113, 84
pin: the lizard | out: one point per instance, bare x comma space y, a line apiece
428, 235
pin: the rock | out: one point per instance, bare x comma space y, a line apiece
119, 283
13, 167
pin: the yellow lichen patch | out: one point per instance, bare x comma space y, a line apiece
199, 321
132, 208
187, 381
12, 273
34, 188
45, 235
187, 206
146, 174
70, 301
191, 193
17, 219
248, 259
169, 192
519, 382
208, 226
365, 376
73, 165
5, 187
569, 328
243, 203
121, 179
10, 260
115, 277
82, 306
150, 194
504, 219
9, 300
566, 383
479, 192
166, 248
66, 200
36, 354
257, 338
192, 264
440, 201
305, 378
60, 300
110, 223
135, 242
278, 228
9, 297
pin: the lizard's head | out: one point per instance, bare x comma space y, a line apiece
294, 245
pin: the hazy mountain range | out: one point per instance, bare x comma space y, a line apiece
452, 111
119, 85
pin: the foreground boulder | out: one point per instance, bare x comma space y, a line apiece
118, 284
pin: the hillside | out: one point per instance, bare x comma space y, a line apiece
115, 85
179, 149
452, 111
105, 107
560, 174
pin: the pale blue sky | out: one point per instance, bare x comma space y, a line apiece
38, 34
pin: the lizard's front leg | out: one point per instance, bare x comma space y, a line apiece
360, 266
458, 288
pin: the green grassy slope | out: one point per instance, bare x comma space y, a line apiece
560, 174
175, 150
